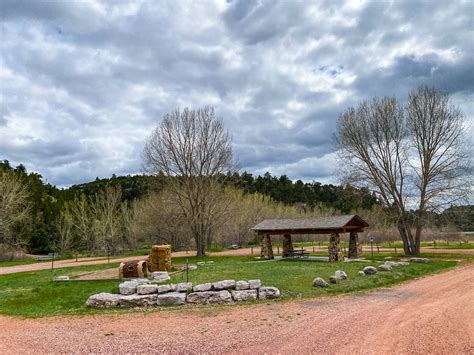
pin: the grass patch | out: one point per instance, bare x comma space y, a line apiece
34, 294
25, 261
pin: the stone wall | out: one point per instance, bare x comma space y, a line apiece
142, 293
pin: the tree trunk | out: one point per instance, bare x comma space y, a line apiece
287, 245
409, 246
334, 248
267, 249
355, 249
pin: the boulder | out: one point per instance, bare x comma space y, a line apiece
361, 273
202, 287
209, 297
384, 267
103, 300
370, 270
403, 263
268, 292
242, 285
160, 275
184, 286
165, 288
138, 300
140, 281
223, 285
333, 279
128, 288
147, 289
391, 263
254, 284
341, 275
319, 282
171, 299
61, 278
419, 260
244, 295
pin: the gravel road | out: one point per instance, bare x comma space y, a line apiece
430, 315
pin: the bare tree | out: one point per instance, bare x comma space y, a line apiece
108, 218
14, 208
83, 222
64, 226
411, 156
193, 149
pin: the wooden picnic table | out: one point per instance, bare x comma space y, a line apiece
297, 253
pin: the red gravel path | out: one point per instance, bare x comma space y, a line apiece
431, 315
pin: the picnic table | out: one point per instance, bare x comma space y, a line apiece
297, 253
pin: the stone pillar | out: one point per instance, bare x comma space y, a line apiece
334, 248
287, 245
267, 248
355, 249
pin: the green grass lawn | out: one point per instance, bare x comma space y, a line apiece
34, 294
18, 262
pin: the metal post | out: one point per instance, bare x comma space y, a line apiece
251, 250
278, 249
52, 262
372, 248
187, 270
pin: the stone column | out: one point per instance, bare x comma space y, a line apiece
287, 245
267, 248
355, 249
334, 248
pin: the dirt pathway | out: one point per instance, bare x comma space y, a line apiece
431, 315
245, 251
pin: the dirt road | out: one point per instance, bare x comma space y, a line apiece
245, 251
431, 315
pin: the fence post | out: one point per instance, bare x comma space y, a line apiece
251, 250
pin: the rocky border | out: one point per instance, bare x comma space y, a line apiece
142, 293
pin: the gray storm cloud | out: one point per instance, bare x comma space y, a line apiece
83, 83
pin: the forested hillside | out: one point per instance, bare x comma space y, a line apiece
144, 210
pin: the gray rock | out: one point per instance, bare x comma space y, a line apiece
160, 275
171, 299
384, 267
61, 278
419, 260
147, 289
184, 286
244, 295
361, 273
391, 263
165, 288
242, 285
140, 281
370, 270
403, 263
209, 297
341, 275
254, 284
223, 285
333, 279
138, 300
128, 288
319, 282
202, 287
268, 292
103, 300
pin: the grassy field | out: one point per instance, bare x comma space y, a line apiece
35, 294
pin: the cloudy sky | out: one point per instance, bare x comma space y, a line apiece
84, 82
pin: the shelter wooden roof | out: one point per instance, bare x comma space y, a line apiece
315, 225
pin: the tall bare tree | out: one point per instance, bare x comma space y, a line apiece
410, 155
193, 149
14, 208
